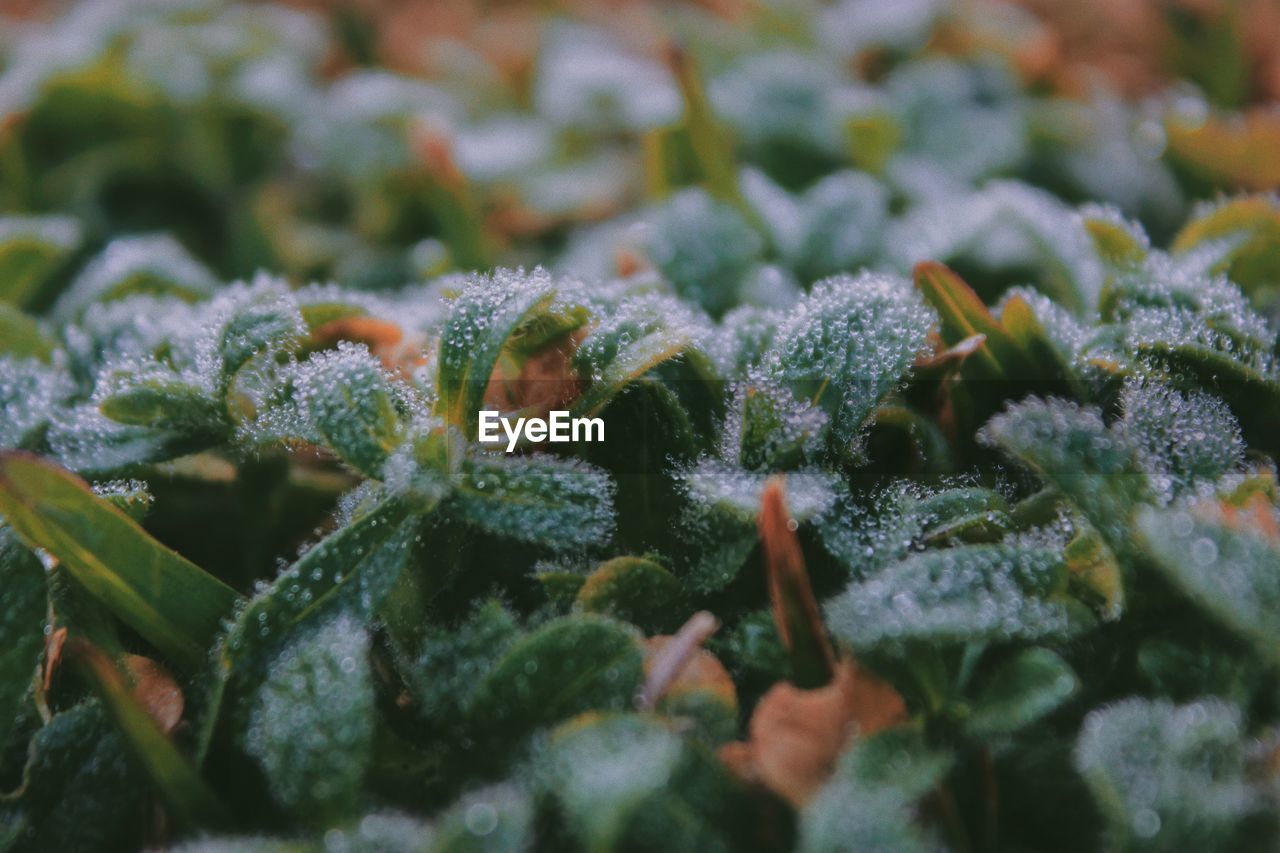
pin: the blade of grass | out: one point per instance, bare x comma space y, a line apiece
169, 600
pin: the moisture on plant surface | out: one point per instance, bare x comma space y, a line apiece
722, 425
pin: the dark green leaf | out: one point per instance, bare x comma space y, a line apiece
23, 604
1023, 689
638, 591
571, 665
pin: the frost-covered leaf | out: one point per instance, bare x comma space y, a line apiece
31, 250
1168, 776
312, 720
560, 503
1222, 564
769, 428
349, 572
1184, 440
1244, 234
155, 264
723, 503
868, 532
971, 592
868, 804
1070, 447
704, 247
587, 80
168, 600
845, 215
29, 393
784, 107
162, 400
849, 343
488, 311
444, 675
1003, 229
493, 819
628, 782
347, 397
570, 665
261, 319
637, 335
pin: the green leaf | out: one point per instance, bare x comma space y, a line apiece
1033, 683
350, 571
267, 320
705, 247
312, 722
444, 677
667, 798
165, 404
80, 791
570, 665
640, 334
348, 398
1119, 243
154, 264
21, 336
868, 804
1227, 570
32, 248
848, 344
23, 605
1184, 440
958, 594
171, 602
962, 314
1074, 451
1246, 235
542, 500
186, 796
1168, 777
712, 148
638, 591
489, 310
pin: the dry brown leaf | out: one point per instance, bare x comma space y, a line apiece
795, 610
156, 691
797, 735
546, 381
676, 663
54, 643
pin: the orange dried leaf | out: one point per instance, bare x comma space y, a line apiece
795, 610
677, 663
156, 691
797, 735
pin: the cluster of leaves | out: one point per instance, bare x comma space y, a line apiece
937, 508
